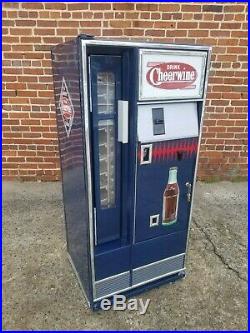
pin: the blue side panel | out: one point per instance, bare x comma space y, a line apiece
73, 159
152, 180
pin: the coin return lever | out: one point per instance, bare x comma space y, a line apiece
146, 154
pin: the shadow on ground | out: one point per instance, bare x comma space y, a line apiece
40, 290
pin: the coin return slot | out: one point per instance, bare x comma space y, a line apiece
146, 154
154, 220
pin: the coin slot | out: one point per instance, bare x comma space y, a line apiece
158, 121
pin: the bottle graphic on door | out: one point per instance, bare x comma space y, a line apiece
171, 198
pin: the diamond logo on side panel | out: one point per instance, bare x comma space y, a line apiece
66, 107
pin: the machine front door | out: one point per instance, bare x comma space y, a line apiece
167, 150
106, 89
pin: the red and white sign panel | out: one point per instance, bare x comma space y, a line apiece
170, 74
66, 107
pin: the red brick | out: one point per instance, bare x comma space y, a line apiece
146, 7
46, 23
198, 33
31, 40
208, 25
44, 32
145, 16
143, 24
123, 6
55, 6
156, 33
169, 7
240, 34
77, 6
21, 31
112, 32
176, 33
234, 8
155, 16
98, 15
32, 5
190, 8
25, 23
187, 25
100, 6
212, 8
164, 24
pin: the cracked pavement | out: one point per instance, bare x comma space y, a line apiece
40, 290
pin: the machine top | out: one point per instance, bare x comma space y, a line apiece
91, 40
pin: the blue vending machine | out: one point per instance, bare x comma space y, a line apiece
129, 117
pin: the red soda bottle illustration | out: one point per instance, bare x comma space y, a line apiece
171, 198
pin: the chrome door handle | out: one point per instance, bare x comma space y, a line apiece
189, 187
123, 121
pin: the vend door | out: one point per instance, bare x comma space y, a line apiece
109, 137
167, 133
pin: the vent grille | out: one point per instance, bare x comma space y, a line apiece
158, 269
113, 284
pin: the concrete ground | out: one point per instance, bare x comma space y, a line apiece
41, 292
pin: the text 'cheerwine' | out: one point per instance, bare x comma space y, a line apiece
171, 75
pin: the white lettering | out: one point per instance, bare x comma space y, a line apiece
119, 302
151, 76
179, 76
105, 304
144, 307
173, 74
132, 304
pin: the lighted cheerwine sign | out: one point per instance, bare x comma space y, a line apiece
171, 75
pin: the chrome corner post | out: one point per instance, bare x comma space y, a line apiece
86, 138
199, 144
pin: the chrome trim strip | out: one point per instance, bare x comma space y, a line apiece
112, 277
114, 293
78, 278
147, 44
159, 261
137, 269
169, 101
198, 151
89, 178
135, 187
159, 277
90, 93
140, 284
95, 226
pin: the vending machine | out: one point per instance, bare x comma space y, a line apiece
129, 117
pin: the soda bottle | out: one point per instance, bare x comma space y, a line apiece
171, 198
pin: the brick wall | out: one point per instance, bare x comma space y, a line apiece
30, 150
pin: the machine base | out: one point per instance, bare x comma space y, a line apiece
141, 289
